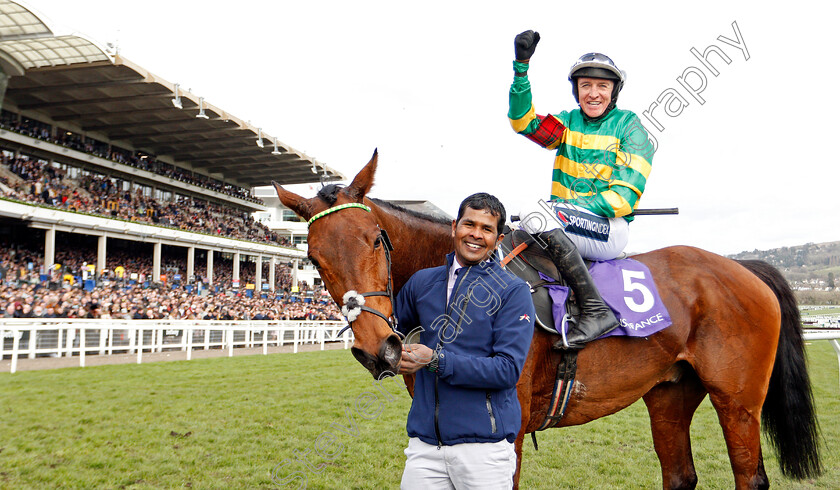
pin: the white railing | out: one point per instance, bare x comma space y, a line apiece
824, 334
62, 337
821, 321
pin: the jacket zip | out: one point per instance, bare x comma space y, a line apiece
437, 412
492, 417
437, 399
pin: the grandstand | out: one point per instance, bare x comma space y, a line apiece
114, 179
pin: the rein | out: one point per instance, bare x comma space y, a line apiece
353, 301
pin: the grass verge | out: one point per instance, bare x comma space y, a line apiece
314, 418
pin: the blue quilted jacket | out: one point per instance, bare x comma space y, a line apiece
483, 334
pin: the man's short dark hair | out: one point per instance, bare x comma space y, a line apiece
482, 201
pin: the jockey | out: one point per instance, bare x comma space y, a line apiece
602, 162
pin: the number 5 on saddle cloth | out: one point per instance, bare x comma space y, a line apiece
625, 284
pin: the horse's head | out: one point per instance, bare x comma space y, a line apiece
347, 247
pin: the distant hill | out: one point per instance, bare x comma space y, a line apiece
813, 269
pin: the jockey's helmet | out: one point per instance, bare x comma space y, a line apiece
597, 65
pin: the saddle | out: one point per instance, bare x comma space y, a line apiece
525, 256
531, 260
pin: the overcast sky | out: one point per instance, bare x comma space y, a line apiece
426, 83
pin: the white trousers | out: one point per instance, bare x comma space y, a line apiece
596, 237
489, 465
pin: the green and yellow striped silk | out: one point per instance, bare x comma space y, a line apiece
600, 165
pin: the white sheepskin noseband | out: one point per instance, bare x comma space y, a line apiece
353, 302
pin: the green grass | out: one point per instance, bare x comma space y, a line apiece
824, 311
235, 422
825, 271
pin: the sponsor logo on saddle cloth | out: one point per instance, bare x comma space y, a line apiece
628, 289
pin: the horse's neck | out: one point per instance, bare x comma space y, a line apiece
418, 243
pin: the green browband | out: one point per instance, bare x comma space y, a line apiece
337, 208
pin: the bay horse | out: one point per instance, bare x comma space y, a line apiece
735, 336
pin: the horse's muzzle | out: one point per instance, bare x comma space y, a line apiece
386, 363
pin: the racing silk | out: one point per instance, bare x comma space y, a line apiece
601, 165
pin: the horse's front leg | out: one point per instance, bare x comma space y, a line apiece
408, 379
523, 393
518, 447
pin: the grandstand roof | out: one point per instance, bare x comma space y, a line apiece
71, 80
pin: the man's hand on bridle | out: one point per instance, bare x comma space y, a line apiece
414, 358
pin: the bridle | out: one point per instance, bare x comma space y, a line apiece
353, 301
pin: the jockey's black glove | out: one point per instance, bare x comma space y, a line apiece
525, 44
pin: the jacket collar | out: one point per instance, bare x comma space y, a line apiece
490, 261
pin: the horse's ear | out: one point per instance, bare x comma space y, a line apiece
296, 203
364, 179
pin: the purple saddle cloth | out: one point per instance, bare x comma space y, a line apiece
628, 289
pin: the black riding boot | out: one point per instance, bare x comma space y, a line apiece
596, 318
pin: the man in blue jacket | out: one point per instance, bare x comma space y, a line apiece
473, 322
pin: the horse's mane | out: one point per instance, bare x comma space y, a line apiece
416, 214
329, 194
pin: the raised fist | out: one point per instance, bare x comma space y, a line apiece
525, 44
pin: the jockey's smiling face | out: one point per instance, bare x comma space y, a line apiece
476, 235
594, 95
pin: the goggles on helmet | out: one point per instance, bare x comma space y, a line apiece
597, 63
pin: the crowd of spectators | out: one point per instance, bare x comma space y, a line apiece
69, 139
35, 301
23, 293
39, 182
125, 289
24, 263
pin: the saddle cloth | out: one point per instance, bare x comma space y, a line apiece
626, 285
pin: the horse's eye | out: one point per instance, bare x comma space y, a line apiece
378, 242
314, 262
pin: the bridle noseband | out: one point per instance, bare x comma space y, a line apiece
354, 302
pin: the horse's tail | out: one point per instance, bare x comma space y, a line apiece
788, 415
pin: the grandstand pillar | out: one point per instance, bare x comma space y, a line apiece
209, 267
156, 262
4, 82
190, 264
49, 249
295, 265
258, 276
100, 254
271, 270
236, 257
